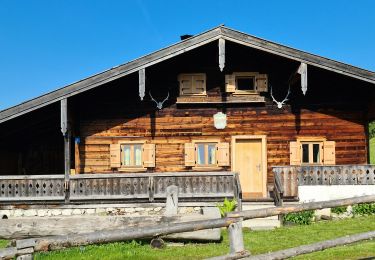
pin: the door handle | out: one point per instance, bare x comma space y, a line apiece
258, 167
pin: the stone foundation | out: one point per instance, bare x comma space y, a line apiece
101, 211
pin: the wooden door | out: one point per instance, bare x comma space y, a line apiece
248, 162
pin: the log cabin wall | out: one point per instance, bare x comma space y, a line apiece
334, 107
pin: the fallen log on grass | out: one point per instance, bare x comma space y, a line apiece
306, 249
19, 228
101, 237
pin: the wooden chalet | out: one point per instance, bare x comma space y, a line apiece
193, 114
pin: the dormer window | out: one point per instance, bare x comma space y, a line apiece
192, 84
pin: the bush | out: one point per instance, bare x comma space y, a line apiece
364, 209
301, 218
227, 206
339, 210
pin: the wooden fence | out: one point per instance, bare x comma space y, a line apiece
85, 188
26, 247
288, 178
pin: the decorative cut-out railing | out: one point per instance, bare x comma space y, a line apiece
293, 176
84, 188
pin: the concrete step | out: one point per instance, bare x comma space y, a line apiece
260, 223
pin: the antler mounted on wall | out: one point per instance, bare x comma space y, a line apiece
280, 104
159, 105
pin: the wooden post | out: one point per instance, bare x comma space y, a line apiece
66, 131
77, 157
236, 237
171, 206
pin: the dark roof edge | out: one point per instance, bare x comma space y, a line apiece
298, 55
176, 49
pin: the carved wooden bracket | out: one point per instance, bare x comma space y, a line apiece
64, 116
303, 71
221, 54
142, 83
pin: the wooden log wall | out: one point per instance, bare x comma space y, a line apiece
115, 112
172, 131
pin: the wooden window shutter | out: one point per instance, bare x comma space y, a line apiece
115, 156
230, 83
199, 84
148, 155
189, 154
262, 83
329, 153
223, 154
186, 84
295, 153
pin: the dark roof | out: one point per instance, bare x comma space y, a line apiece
181, 47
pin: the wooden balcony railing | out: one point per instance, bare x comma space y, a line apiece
288, 178
85, 188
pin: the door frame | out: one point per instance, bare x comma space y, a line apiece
263, 139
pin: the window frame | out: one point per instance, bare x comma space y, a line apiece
206, 154
311, 141
131, 167
252, 75
311, 152
209, 166
193, 87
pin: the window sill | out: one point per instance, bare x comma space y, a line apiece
132, 169
206, 168
242, 93
247, 98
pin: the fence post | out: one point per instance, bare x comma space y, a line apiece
236, 237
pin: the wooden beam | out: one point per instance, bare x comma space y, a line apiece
221, 54
66, 131
142, 82
99, 237
77, 157
268, 212
305, 249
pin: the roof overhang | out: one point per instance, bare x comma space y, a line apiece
177, 49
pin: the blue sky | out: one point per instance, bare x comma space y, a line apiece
45, 45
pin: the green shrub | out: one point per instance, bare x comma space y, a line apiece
339, 210
301, 218
227, 206
364, 209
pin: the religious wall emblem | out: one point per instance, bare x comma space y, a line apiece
220, 120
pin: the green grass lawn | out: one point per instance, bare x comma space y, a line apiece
372, 150
256, 242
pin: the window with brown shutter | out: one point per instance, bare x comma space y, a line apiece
132, 156
243, 83
206, 154
192, 84
312, 151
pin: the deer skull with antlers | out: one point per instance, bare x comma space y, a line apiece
280, 103
159, 105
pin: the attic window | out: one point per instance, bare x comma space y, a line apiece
245, 83
192, 84
242, 83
